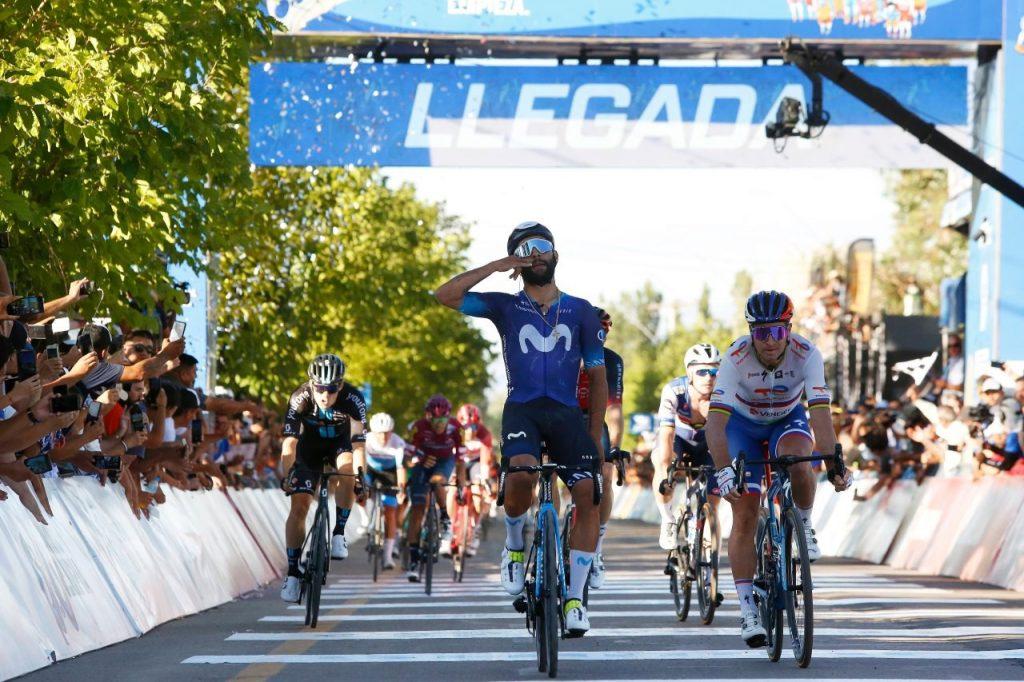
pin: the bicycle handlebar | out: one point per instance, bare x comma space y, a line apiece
838, 468
548, 470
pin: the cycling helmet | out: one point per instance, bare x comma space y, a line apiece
469, 414
768, 306
605, 318
528, 229
702, 354
438, 406
326, 369
381, 423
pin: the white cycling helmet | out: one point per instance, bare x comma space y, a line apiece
702, 354
381, 423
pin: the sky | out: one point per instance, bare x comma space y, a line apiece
679, 229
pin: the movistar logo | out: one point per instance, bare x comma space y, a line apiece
545, 344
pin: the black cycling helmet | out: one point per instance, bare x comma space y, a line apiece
768, 306
530, 228
326, 369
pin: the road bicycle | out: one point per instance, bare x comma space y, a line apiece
376, 530
782, 577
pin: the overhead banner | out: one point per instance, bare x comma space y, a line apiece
615, 116
930, 20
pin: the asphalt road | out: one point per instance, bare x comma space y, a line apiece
871, 623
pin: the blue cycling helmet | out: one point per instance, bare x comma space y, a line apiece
768, 306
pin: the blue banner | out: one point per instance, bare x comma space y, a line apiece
447, 115
942, 20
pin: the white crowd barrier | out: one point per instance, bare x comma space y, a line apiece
957, 527
96, 575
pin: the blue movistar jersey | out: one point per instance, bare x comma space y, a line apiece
542, 352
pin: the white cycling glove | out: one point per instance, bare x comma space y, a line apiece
726, 478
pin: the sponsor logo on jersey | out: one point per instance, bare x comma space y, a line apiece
739, 349
544, 344
777, 390
802, 345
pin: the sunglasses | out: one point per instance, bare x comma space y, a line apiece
706, 372
326, 388
533, 244
140, 348
776, 332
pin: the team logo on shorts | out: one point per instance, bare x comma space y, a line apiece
517, 434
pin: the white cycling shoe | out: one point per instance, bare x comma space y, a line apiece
813, 551
339, 547
597, 572
290, 590
667, 540
472, 546
513, 572
752, 631
576, 621
445, 548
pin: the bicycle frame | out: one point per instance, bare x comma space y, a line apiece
547, 522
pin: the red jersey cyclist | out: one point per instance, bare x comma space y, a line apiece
478, 444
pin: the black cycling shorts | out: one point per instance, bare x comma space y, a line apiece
525, 425
703, 457
311, 457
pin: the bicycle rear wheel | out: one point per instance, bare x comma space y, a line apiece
377, 543
318, 557
552, 602
799, 597
766, 577
707, 563
429, 544
681, 573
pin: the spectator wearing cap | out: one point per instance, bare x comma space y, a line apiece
1005, 410
107, 374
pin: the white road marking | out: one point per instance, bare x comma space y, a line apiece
597, 601
595, 656
520, 633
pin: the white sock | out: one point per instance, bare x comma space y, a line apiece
600, 537
389, 547
514, 527
805, 514
667, 512
745, 592
579, 569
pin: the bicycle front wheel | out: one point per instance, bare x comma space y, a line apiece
682, 572
318, 558
707, 563
551, 596
799, 595
766, 577
429, 545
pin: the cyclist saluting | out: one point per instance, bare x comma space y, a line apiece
326, 418
545, 335
757, 399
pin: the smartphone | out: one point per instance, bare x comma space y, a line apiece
84, 343
26, 305
39, 464
197, 431
138, 421
86, 289
107, 462
27, 363
177, 331
39, 331
94, 412
152, 486
70, 402
52, 352
211, 421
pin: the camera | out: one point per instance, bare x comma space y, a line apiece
787, 118
86, 289
107, 462
979, 413
38, 464
137, 419
24, 306
69, 402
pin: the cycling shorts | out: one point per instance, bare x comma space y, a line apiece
419, 478
388, 478
748, 437
524, 426
703, 456
311, 457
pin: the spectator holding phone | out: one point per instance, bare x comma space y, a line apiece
95, 337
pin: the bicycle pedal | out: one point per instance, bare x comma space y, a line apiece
719, 598
519, 604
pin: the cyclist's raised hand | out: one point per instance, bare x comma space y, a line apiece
513, 263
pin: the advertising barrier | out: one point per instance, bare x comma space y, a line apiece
95, 575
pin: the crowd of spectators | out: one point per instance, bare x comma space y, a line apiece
929, 431
119, 404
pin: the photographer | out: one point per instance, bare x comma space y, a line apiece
106, 373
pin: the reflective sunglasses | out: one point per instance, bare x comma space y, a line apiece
141, 348
706, 372
326, 388
534, 243
777, 332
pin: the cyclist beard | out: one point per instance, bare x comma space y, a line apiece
540, 279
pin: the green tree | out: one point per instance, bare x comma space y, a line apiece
922, 253
742, 287
337, 261
122, 139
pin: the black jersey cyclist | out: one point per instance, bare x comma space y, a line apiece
326, 420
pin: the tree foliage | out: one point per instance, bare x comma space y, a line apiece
336, 261
121, 138
652, 348
922, 253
